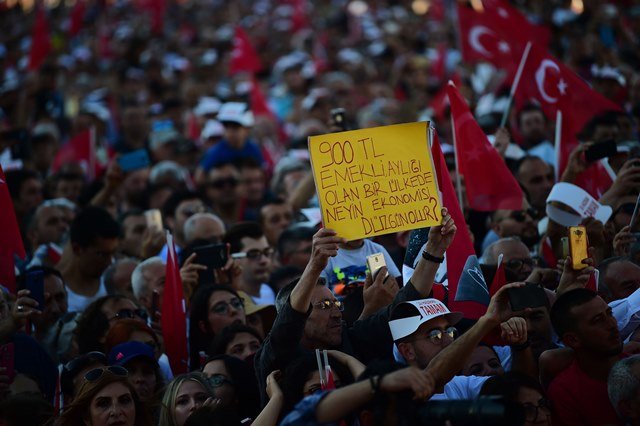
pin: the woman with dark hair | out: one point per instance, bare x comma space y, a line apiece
236, 340
100, 315
213, 307
234, 383
106, 397
302, 378
523, 390
484, 361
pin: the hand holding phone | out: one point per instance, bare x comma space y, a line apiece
138, 159
374, 263
154, 219
213, 256
578, 244
35, 284
529, 296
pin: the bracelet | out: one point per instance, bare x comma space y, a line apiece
375, 383
432, 258
520, 347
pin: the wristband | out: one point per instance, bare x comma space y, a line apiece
520, 347
432, 258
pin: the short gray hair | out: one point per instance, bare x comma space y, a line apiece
139, 283
622, 383
191, 225
490, 254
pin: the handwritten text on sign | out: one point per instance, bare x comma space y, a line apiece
375, 181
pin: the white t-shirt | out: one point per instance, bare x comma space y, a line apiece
462, 387
78, 303
353, 263
267, 296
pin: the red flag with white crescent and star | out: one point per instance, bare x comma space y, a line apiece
243, 56
489, 183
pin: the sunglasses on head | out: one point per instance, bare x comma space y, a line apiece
82, 361
131, 314
96, 373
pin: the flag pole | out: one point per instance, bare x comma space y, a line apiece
514, 86
558, 137
455, 155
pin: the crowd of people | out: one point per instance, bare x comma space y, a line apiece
148, 117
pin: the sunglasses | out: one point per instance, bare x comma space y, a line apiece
254, 254
326, 304
82, 361
131, 314
221, 183
437, 336
222, 308
521, 215
96, 373
517, 264
218, 380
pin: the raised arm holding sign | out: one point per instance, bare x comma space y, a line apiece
376, 181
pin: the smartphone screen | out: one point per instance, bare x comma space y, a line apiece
35, 284
135, 160
213, 256
154, 219
578, 244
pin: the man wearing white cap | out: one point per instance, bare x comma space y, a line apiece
237, 119
424, 333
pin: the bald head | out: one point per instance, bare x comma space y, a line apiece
203, 226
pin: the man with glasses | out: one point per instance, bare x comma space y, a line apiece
424, 331
514, 223
94, 241
223, 192
250, 247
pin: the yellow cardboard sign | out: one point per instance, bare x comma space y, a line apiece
375, 181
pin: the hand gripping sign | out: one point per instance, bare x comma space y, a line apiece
376, 181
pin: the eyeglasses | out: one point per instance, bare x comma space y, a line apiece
531, 411
226, 182
521, 215
83, 361
222, 308
130, 314
326, 304
188, 212
254, 254
518, 264
218, 380
437, 336
96, 373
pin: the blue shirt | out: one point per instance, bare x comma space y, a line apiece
222, 153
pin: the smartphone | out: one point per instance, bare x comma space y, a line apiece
154, 219
374, 263
34, 282
578, 244
565, 247
529, 296
213, 256
138, 159
338, 117
601, 150
7, 354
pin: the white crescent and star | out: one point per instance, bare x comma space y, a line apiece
474, 39
541, 74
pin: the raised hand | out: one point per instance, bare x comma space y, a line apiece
325, 245
441, 237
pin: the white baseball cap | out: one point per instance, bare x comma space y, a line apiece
407, 317
235, 112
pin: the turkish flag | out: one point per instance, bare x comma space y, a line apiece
489, 183
77, 17
79, 149
174, 317
498, 34
10, 238
554, 86
461, 247
259, 104
243, 56
40, 40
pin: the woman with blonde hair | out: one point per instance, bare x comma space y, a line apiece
183, 396
106, 397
